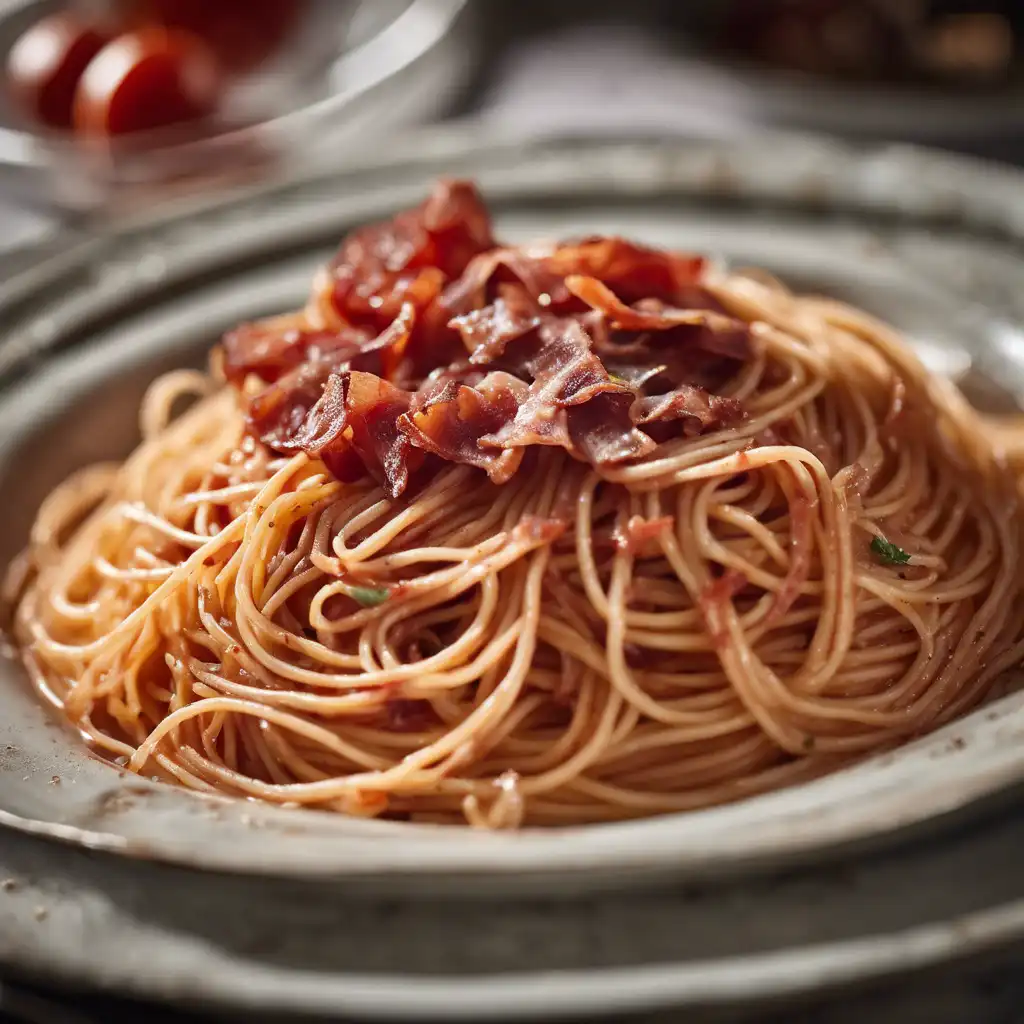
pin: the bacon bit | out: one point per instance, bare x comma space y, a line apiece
566, 376
572, 402
408, 260
634, 271
698, 409
304, 410
720, 334
452, 424
723, 589
488, 330
714, 598
270, 351
539, 531
278, 415
489, 274
409, 257
603, 433
344, 464
374, 408
562, 366
270, 348
640, 531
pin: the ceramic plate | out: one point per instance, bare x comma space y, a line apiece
919, 239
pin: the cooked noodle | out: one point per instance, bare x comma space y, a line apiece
580, 643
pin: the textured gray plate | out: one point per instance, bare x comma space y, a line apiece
922, 240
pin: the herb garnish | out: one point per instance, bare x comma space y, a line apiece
369, 597
888, 553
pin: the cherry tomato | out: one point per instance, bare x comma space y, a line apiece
46, 63
241, 32
148, 79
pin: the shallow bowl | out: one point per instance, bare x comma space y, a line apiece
908, 236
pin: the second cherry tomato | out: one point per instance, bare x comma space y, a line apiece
144, 80
46, 63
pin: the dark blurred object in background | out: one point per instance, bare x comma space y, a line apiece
942, 41
944, 73
957, 42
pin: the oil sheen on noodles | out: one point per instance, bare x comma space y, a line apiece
542, 631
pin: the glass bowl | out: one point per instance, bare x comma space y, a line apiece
349, 70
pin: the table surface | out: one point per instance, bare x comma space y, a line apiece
992, 993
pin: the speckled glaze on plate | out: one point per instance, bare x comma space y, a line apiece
925, 241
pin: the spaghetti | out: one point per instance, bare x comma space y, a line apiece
557, 534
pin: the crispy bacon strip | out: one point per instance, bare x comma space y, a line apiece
452, 423
410, 257
572, 400
603, 432
486, 332
271, 348
281, 416
721, 334
346, 414
698, 409
632, 271
487, 273
374, 408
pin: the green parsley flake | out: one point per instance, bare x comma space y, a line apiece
888, 553
369, 597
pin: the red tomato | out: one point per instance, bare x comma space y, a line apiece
46, 63
147, 79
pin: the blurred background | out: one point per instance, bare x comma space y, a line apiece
111, 106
